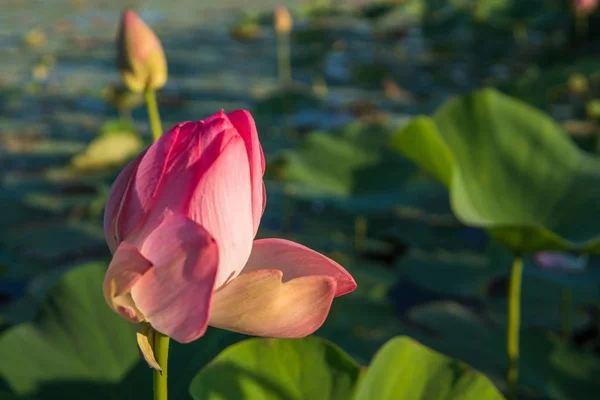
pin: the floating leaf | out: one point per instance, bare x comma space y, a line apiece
309, 368
405, 369
510, 169
110, 149
77, 347
76, 338
312, 368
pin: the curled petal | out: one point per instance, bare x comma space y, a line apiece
258, 303
295, 260
116, 200
175, 294
244, 124
125, 270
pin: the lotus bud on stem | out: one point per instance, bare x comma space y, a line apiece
143, 66
282, 21
142, 63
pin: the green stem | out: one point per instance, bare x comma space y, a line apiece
514, 322
153, 115
161, 342
161, 353
284, 67
565, 312
360, 233
581, 26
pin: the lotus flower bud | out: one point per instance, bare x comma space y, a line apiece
282, 20
585, 7
140, 56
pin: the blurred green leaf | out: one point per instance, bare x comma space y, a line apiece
309, 368
405, 369
77, 347
513, 171
75, 338
286, 101
353, 160
116, 144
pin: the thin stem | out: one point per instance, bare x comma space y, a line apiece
161, 353
161, 342
360, 233
514, 322
565, 312
153, 115
581, 26
284, 67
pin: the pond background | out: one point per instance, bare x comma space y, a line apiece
332, 183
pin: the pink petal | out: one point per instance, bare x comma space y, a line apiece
244, 123
125, 269
258, 303
115, 201
176, 156
222, 203
296, 260
175, 294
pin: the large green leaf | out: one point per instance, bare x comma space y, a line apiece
510, 169
75, 338
405, 369
78, 348
310, 368
313, 368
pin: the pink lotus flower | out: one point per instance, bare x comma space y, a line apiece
180, 221
140, 56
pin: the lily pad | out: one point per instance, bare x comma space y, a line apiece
309, 368
405, 369
511, 170
76, 338
114, 146
77, 347
315, 368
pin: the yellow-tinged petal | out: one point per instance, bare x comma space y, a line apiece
258, 303
145, 338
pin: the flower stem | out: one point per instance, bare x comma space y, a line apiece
161, 342
153, 115
284, 59
514, 322
161, 353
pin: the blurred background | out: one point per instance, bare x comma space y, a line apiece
360, 70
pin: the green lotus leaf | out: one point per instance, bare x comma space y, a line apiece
511, 170
405, 369
76, 338
309, 368
313, 368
